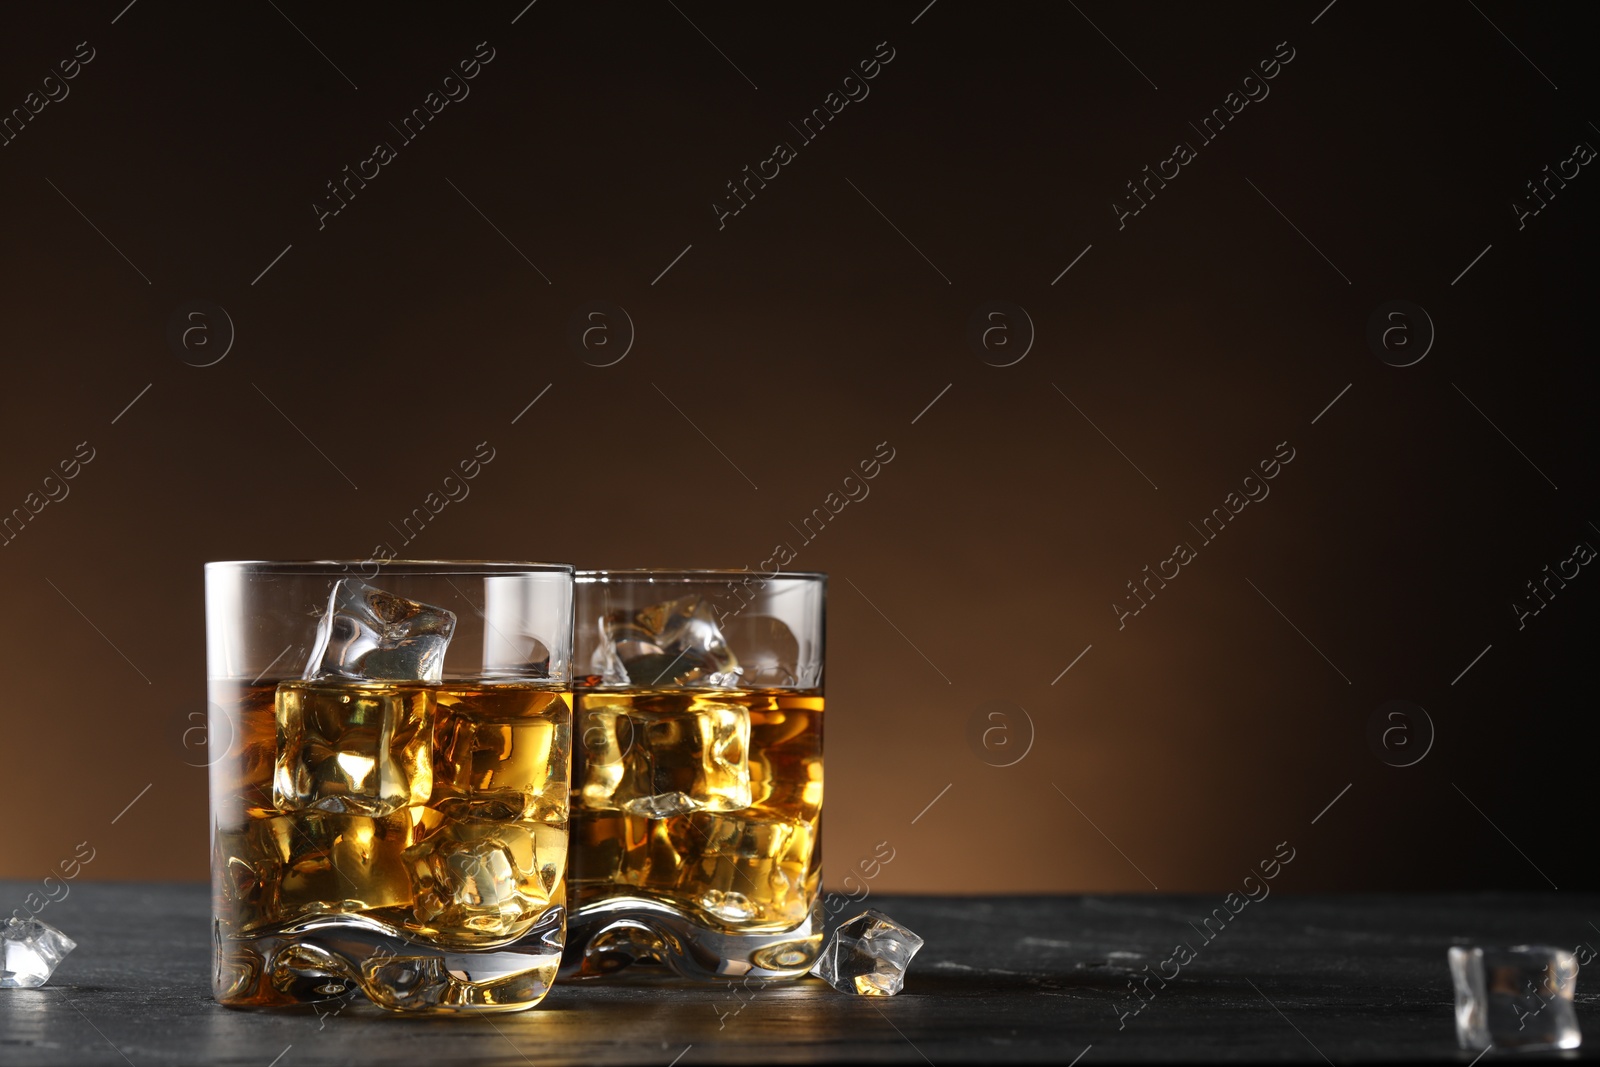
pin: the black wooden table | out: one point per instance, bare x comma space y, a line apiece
1312, 979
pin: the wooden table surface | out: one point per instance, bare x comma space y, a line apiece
1011, 979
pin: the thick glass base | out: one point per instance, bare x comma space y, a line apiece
615, 933
327, 962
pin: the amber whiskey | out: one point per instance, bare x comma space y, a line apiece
382, 826
705, 807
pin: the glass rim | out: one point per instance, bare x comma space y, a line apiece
690, 574
414, 567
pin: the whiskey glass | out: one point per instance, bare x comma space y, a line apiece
389, 749
697, 773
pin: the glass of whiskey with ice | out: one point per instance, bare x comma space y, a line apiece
697, 773
390, 754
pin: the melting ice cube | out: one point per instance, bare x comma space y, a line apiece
369, 634
29, 952
1519, 997
289, 866
477, 881
500, 767
868, 955
677, 642
362, 750
748, 868
666, 760
359, 750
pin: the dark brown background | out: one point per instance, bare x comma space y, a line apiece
804, 334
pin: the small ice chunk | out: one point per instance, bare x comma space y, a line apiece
1518, 997
287, 867
477, 880
29, 952
627, 643
501, 768
868, 955
370, 635
355, 750
677, 642
667, 760
745, 868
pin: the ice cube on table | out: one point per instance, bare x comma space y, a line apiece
353, 749
666, 761
868, 955
676, 642
743, 869
1518, 997
30, 950
370, 634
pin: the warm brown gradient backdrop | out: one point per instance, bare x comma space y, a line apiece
820, 322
